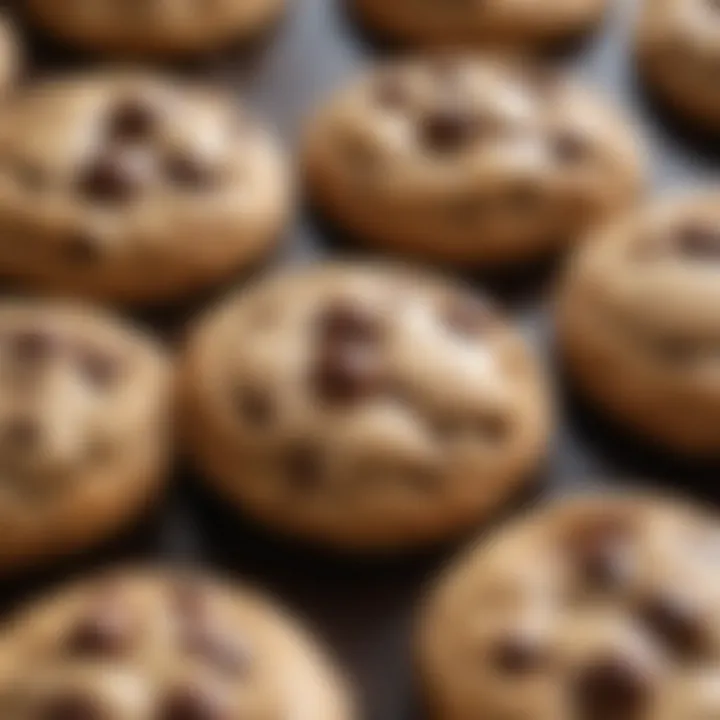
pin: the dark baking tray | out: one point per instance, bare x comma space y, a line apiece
364, 609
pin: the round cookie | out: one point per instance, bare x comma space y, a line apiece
9, 53
678, 49
590, 610
134, 189
83, 429
468, 160
363, 408
517, 23
638, 322
164, 646
154, 27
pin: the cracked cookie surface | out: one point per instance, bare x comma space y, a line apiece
678, 51
84, 408
639, 325
590, 609
363, 407
134, 189
470, 161
158, 645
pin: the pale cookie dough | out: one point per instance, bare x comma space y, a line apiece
154, 27
84, 414
468, 160
150, 645
526, 24
134, 189
639, 322
678, 49
362, 407
593, 609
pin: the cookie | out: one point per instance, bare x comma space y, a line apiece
154, 27
589, 610
147, 645
468, 160
83, 428
362, 408
134, 189
523, 25
678, 52
639, 322
9, 53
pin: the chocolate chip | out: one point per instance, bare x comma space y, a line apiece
345, 373
192, 702
81, 249
675, 624
185, 171
517, 654
304, 467
255, 406
217, 648
424, 477
611, 687
22, 433
100, 369
467, 316
699, 241
493, 426
345, 322
523, 196
115, 177
34, 345
603, 554
71, 705
674, 350
106, 631
448, 129
132, 120
570, 148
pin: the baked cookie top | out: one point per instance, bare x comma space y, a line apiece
595, 608
504, 22
133, 188
151, 646
679, 49
83, 415
643, 294
471, 159
154, 27
363, 406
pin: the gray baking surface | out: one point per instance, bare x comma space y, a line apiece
364, 610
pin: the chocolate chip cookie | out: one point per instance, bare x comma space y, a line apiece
678, 48
154, 27
83, 428
468, 160
363, 407
164, 646
594, 609
639, 322
134, 189
516, 23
